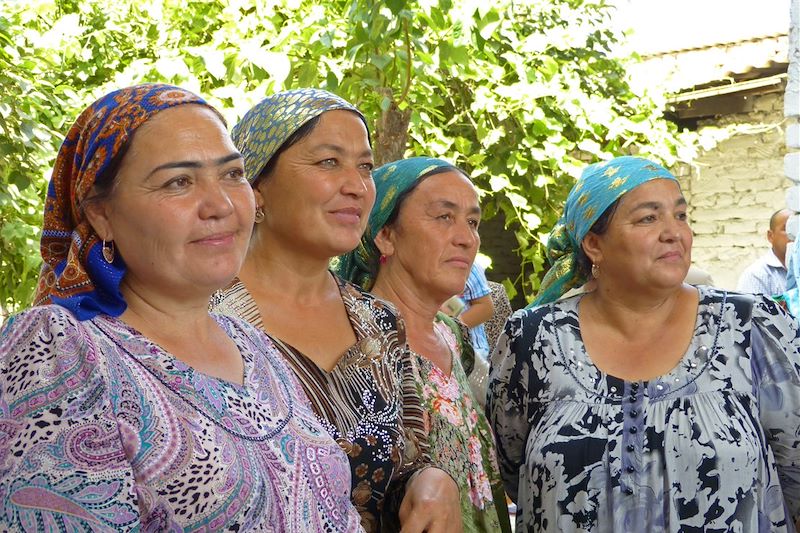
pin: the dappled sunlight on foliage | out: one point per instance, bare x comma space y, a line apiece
519, 94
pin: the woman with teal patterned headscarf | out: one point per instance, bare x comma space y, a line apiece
308, 157
600, 186
614, 409
416, 253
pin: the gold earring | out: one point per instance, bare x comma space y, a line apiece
595, 271
108, 252
259, 215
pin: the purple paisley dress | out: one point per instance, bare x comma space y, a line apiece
102, 430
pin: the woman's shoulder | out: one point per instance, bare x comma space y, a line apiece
36, 320
359, 296
532, 317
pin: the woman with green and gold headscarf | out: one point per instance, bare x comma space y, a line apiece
615, 409
308, 157
416, 253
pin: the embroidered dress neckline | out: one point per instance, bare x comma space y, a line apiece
180, 366
692, 363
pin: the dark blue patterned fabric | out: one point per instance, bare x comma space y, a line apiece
711, 446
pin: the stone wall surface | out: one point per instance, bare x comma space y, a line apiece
734, 188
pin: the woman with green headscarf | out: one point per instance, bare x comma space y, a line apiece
416, 253
307, 155
646, 404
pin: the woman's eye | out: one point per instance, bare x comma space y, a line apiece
648, 218
328, 163
367, 166
474, 222
236, 174
683, 216
178, 183
445, 216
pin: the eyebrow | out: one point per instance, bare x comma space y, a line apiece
197, 164
656, 205
447, 204
338, 149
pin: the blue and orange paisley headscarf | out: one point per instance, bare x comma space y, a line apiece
74, 273
599, 186
391, 180
267, 125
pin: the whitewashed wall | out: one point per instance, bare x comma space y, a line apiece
735, 187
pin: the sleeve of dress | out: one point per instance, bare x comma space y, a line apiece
775, 362
513, 406
62, 462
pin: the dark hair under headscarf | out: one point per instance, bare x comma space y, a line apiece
74, 273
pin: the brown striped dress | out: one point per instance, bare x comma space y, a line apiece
369, 402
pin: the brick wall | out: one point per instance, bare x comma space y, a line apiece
735, 187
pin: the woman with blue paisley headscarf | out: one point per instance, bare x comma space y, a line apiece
125, 404
646, 404
420, 242
308, 156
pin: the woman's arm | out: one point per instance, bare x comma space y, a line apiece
63, 463
775, 361
512, 405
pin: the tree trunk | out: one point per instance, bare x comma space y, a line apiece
391, 132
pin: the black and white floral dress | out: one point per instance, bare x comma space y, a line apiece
713, 445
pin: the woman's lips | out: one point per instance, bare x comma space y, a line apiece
348, 215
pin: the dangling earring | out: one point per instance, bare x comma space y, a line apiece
259, 215
108, 252
382, 259
595, 271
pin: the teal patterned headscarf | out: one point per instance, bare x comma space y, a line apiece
263, 130
600, 185
391, 180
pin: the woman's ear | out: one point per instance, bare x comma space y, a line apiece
97, 213
591, 247
384, 240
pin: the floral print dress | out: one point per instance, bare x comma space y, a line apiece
461, 441
711, 446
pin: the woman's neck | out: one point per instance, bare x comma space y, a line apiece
631, 312
418, 313
293, 275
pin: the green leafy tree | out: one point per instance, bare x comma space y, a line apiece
519, 94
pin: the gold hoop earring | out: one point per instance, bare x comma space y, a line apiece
108, 252
595, 271
259, 215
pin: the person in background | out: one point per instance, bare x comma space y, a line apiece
502, 310
647, 404
478, 308
308, 157
416, 253
125, 405
768, 274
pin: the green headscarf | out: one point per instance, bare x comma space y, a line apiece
599, 186
267, 125
391, 180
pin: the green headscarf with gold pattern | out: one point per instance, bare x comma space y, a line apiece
599, 186
391, 180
